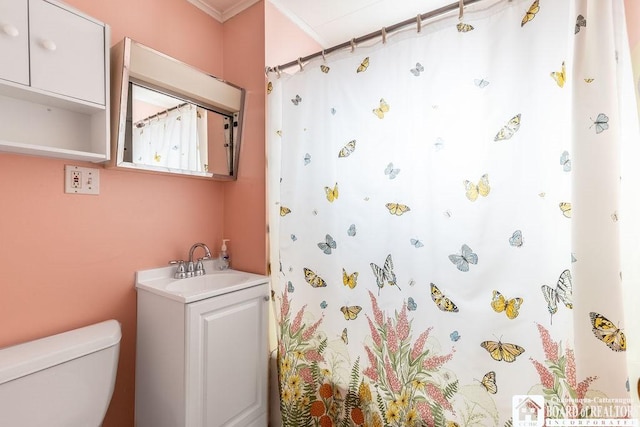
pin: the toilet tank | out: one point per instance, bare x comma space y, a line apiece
63, 380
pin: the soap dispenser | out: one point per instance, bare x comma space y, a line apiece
224, 255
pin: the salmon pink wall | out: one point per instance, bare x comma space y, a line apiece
244, 207
285, 41
67, 261
632, 9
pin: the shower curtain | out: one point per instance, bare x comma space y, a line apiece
451, 214
171, 139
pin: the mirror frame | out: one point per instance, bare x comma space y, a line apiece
132, 62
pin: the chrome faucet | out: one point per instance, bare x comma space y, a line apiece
198, 269
192, 269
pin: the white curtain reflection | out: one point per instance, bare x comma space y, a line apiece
171, 139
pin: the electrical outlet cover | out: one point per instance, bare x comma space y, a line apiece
80, 180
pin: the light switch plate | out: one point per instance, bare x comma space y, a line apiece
79, 180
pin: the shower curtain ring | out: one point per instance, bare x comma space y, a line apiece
278, 71
323, 58
419, 21
300, 64
384, 35
461, 5
353, 45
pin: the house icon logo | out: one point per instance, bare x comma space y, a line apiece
528, 411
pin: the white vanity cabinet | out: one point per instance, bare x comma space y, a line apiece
202, 363
53, 81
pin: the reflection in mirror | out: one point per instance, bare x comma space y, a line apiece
165, 132
169, 117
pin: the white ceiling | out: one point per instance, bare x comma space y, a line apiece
331, 22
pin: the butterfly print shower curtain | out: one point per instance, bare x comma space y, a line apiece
448, 225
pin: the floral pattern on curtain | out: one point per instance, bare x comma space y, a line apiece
445, 213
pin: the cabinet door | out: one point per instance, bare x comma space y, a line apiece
228, 360
67, 52
14, 41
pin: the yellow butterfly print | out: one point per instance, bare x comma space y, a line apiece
489, 382
464, 28
284, 210
363, 65
563, 292
350, 312
560, 76
325, 69
397, 208
384, 108
344, 336
510, 306
509, 129
157, 157
347, 149
481, 189
531, 13
350, 280
502, 351
332, 193
565, 207
269, 87
589, 80
607, 332
313, 279
443, 303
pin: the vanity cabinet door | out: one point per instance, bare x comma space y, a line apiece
14, 41
67, 52
227, 360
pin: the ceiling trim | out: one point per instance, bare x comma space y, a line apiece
226, 14
299, 22
214, 13
239, 7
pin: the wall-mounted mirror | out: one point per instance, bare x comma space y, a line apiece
169, 117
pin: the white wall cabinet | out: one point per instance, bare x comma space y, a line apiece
53, 82
203, 363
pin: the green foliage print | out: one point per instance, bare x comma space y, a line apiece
412, 389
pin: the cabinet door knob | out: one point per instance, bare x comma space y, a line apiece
10, 30
49, 45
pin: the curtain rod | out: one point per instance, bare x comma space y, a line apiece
140, 123
381, 33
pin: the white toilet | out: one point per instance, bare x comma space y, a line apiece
64, 380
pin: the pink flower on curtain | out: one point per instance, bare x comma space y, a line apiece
571, 368
375, 335
308, 333
419, 344
392, 339
436, 394
392, 379
549, 346
546, 378
377, 313
402, 327
284, 308
295, 326
435, 362
425, 413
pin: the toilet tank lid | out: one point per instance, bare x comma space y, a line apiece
24, 359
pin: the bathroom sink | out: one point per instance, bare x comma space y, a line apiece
207, 282
215, 282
